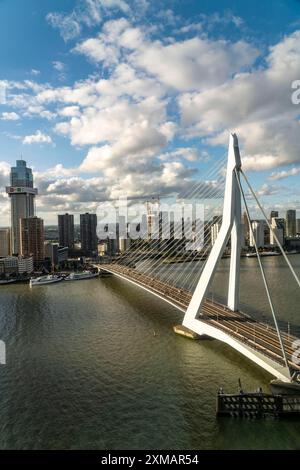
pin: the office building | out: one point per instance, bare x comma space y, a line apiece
56, 253
66, 230
257, 233
16, 265
25, 264
278, 228
88, 234
215, 228
273, 214
298, 226
21, 193
291, 223
4, 242
32, 238
246, 229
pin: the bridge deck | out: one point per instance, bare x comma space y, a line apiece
256, 335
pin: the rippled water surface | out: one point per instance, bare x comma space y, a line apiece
96, 365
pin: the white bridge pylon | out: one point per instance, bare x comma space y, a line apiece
231, 227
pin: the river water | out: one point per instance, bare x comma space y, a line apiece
96, 365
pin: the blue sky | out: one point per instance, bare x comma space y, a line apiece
106, 97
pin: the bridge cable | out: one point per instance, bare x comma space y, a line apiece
172, 251
263, 273
195, 187
271, 229
209, 192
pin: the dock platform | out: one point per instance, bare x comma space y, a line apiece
258, 405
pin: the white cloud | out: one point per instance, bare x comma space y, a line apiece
268, 190
86, 13
35, 72
68, 25
10, 116
59, 66
110, 123
278, 175
136, 143
69, 111
191, 154
257, 105
191, 64
37, 138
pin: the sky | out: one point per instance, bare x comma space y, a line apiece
106, 98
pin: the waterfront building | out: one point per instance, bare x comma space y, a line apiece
246, 229
25, 264
257, 233
88, 234
66, 230
215, 228
273, 214
56, 253
298, 226
32, 238
291, 223
21, 193
4, 242
16, 265
278, 226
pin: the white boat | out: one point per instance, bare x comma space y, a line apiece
81, 276
42, 280
7, 281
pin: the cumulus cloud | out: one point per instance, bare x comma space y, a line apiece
86, 13
10, 116
145, 92
278, 175
191, 64
37, 138
257, 105
68, 25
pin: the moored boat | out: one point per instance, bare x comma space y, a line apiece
81, 276
43, 280
7, 281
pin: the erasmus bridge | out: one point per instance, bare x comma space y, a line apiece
188, 289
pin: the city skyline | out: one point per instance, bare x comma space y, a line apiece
99, 64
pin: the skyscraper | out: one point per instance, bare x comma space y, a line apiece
32, 238
291, 223
215, 228
278, 226
273, 214
88, 233
66, 230
4, 242
258, 235
22, 194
